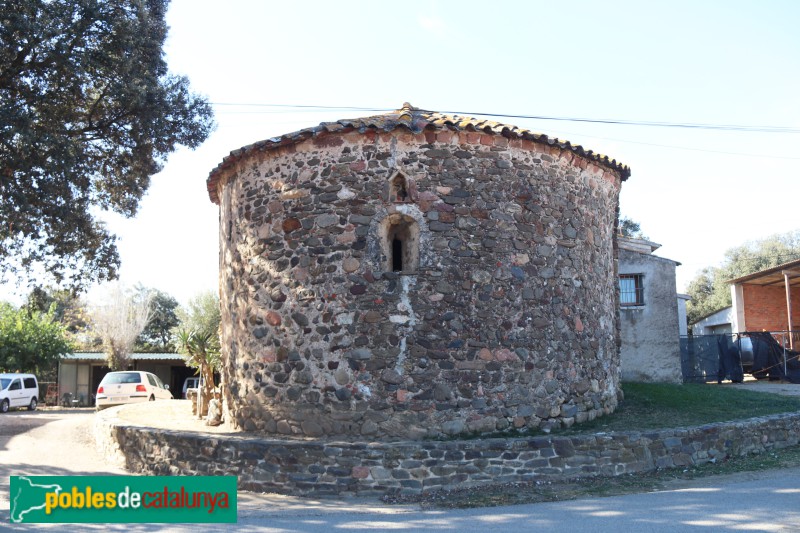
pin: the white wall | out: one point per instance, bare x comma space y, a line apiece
719, 322
683, 326
650, 334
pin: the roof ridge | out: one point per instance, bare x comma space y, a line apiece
416, 120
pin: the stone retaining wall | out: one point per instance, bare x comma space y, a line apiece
347, 468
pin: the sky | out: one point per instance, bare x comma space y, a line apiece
696, 191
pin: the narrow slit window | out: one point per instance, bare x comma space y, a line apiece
397, 255
400, 244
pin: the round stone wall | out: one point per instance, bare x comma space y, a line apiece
392, 284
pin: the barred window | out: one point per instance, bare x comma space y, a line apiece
631, 289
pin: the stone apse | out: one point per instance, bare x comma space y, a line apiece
413, 275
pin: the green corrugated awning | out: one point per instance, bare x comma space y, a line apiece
99, 356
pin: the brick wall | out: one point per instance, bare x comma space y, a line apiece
765, 308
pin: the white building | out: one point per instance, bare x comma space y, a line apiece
714, 324
651, 313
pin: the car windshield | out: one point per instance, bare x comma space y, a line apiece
122, 377
4, 383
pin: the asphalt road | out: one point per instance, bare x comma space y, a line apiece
60, 443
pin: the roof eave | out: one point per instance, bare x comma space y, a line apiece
415, 121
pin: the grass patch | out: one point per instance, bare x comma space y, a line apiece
650, 406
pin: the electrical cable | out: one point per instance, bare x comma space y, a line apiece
288, 108
649, 123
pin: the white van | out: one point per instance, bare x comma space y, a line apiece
190, 383
18, 390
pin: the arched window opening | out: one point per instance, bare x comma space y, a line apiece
400, 243
399, 189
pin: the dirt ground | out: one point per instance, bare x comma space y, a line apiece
177, 414
172, 414
774, 387
57, 441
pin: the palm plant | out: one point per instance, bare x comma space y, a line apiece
202, 351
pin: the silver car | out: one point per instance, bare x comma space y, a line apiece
130, 386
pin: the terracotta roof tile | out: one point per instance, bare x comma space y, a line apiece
415, 120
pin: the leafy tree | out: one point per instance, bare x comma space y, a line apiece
630, 228
197, 338
710, 290
202, 312
119, 321
70, 311
66, 306
30, 341
157, 334
88, 113
41, 299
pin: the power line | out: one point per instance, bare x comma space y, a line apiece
648, 123
287, 108
784, 257
722, 127
310, 107
754, 260
675, 147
